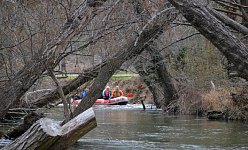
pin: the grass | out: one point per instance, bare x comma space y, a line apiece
118, 76
217, 100
124, 76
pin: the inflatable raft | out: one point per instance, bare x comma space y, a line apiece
122, 100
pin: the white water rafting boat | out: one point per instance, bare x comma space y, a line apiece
122, 100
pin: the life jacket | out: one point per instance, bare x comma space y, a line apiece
107, 94
116, 93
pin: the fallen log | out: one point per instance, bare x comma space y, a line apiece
18, 113
48, 134
27, 110
28, 121
215, 115
14, 115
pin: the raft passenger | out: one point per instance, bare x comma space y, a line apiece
76, 97
84, 93
107, 94
117, 92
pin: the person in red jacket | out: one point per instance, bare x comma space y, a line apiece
107, 94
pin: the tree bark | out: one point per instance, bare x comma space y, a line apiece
155, 75
215, 31
244, 12
48, 134
229, 22
146, 70
28, 121
165, 79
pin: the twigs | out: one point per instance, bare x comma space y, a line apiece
67, 110
184, 38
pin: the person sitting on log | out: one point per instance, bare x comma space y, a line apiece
117, 92
107, 94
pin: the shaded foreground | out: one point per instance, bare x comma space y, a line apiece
49, 134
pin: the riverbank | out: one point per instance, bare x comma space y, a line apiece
227, 101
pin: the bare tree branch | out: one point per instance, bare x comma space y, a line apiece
229, 22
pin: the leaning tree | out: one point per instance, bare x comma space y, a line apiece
212, 25
40, 37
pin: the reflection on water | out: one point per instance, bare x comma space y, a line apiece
128, 127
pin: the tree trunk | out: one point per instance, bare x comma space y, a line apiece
48, 134
146, 69
230, 22
153, 70
209, 26
244, 12
28, 121
164, 78
155, 75
19, 85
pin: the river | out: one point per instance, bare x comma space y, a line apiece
129, 127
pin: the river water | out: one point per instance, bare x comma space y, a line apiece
130, 128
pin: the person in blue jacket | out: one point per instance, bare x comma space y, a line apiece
84, 93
